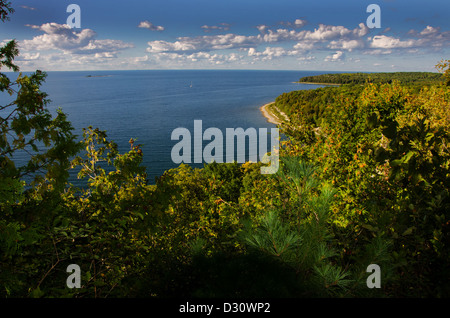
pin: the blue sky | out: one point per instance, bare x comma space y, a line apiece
230, 34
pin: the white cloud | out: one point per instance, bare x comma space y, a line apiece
62, 37
348, 45
268, 53
203, 43
103, 46
340, 37
429, 30
140, 59
271, 52
304, 46
196, 59
335, 57
28, 56
164, 46
324, 37
4, 42
107, 55
377, 52
58, 36
306, 58
75, 47
327, 32
298, 23
28, 8
362, 31
150, 26
262, 28
388, 42
220, 27
429, 38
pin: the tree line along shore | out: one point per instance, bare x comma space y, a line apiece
383, 77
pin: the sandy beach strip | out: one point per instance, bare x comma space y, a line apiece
269, 116
275, 118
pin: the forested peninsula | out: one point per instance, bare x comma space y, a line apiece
362, 78
363, 184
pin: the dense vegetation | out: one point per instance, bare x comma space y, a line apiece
362, 78
364, 179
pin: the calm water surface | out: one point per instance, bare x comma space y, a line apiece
149, 105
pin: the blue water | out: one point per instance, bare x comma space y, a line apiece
149, 105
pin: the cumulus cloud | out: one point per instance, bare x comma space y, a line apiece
325, 36
304, 46
348, 45
213, 58
271, 52
306, 58
429, 30
4, 42
429, 38
220, 27
298, 23
63, 37
203, 43
268, 53
150, 26
28, 8
293, 39
335, 57
388, 42
361, 31
327, 32
28, 56
175, 59
433, 37
58, 36
103, 46
262, 28
285, 39
164, 46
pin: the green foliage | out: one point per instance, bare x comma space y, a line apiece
5, 9
26, 126
230, 177
363, 179
362, 78
303, 243
444, 67
385, 150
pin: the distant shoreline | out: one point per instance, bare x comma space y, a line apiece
314, 83
98, 75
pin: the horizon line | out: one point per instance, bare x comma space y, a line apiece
220, 69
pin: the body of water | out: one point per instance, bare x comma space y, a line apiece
149, 105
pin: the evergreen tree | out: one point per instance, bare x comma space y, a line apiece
302, 240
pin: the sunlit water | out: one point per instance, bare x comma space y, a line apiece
149, 105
